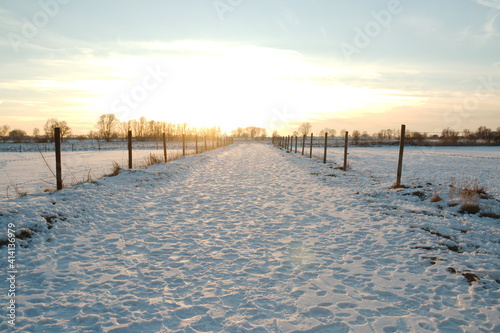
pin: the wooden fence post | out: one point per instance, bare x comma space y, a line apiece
205, 143
196, 140
311, 148
165, 147
303, 143
401, 149
183, 144
296, 138
346, 142
57, 140
326, 143
130, 149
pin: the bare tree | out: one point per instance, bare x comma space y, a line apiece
3, 132
497, 136
305, 128
17, 135
355, 136
330, 131
106, 125
484, 133
449, 136
51, 124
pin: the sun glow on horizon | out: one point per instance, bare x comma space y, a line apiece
213, 84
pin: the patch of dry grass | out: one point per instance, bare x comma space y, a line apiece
468, 194
436, 196
115, 169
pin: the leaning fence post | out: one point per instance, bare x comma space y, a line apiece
326, 143
311, 148
346, 142
165, 147
57, 140
130, 149
401, 149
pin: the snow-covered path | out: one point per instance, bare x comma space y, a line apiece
235, 240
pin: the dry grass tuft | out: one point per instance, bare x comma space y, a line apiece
116, 169
436, 198
152, 159
20, 193
468, 194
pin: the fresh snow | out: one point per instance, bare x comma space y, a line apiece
250, 238
28, 170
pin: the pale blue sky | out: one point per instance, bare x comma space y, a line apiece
268, 63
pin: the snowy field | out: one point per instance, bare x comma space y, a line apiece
436, 165
29, 172
250, 238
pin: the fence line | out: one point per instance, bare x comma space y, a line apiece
96, 159
286, 143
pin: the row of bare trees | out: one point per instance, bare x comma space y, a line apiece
483, 135
109, 127
18, 135
249, 132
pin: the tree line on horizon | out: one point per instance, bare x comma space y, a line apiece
109, 127
448, 136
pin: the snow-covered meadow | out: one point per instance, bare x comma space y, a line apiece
82, 161
251, 238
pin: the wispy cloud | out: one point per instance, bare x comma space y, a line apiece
490, 29
489, 3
